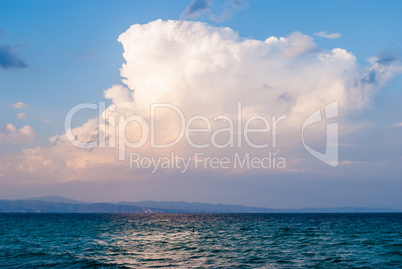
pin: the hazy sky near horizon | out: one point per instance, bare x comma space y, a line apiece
277, 58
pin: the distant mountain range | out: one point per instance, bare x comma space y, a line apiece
56, 204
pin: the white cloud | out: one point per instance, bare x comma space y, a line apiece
206, 70
197, 66
328, 35
119, 94
399, 124
20, 105
24, 135
21, 115
297, 44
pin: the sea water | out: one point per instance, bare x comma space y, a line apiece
218, 240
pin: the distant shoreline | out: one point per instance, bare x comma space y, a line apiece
56, 204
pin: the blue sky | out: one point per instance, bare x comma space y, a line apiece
72, 52
72, 55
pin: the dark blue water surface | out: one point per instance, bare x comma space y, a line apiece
219, 240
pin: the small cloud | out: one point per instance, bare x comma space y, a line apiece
21, 115
399, 124
46, 121
20, 105
11, 134
387, 61
196, 8
298, 44
328, 35
9, 59
387, 56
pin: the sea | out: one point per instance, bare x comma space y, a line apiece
363, 240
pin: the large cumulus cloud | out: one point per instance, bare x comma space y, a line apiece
195, 66
206, 70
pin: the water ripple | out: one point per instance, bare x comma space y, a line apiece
219, 240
